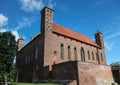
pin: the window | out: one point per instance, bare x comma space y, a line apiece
82, 55
101, 57
93, 56
62, 51
36, 53
69, 53
55, 53
75, 53
26, 59
88, 55
97, 58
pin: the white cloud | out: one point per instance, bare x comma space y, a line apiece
21, 24
24, 23
3, 20
51, 3
108, 45
113, 35
2, 30
31, 5
15, 33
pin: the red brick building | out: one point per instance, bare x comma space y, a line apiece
59, 53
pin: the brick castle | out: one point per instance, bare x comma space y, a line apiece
58, 53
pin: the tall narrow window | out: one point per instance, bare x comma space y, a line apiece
36, 53
101, 57
62, 51
69, 53
88, 55
26, 59
75, 53
93, 56
82, 55
97, 58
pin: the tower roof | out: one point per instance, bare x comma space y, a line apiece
20, 38
98, 32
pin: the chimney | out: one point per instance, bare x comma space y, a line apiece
20, 43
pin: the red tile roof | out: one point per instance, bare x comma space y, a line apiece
74, 35
68, 33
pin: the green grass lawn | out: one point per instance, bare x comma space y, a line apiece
35, 84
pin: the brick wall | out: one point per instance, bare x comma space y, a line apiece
94, 74
83, 73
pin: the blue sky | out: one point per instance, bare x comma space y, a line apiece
22, 18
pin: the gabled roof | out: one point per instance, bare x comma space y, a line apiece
74, 35
67, 33
32, 39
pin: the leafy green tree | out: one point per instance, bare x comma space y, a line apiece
115, 64
8, 48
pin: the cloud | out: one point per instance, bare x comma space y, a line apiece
113, 35
31, 5
109, 42
108, 46
24, 22
51, 3
3, 20
2, 30
15, 33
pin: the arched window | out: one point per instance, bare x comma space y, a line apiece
69, 53
36, 53
97, 58
26, 60
62, 51
88, 55
75, 53
93, 56
82, 55
101, 57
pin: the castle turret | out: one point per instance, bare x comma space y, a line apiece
20, 43
99, 39
46, 19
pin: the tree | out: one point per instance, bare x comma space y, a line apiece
115, 64
8, 48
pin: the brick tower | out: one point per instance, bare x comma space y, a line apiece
46, 31
20, 43
99, 39
46, 19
